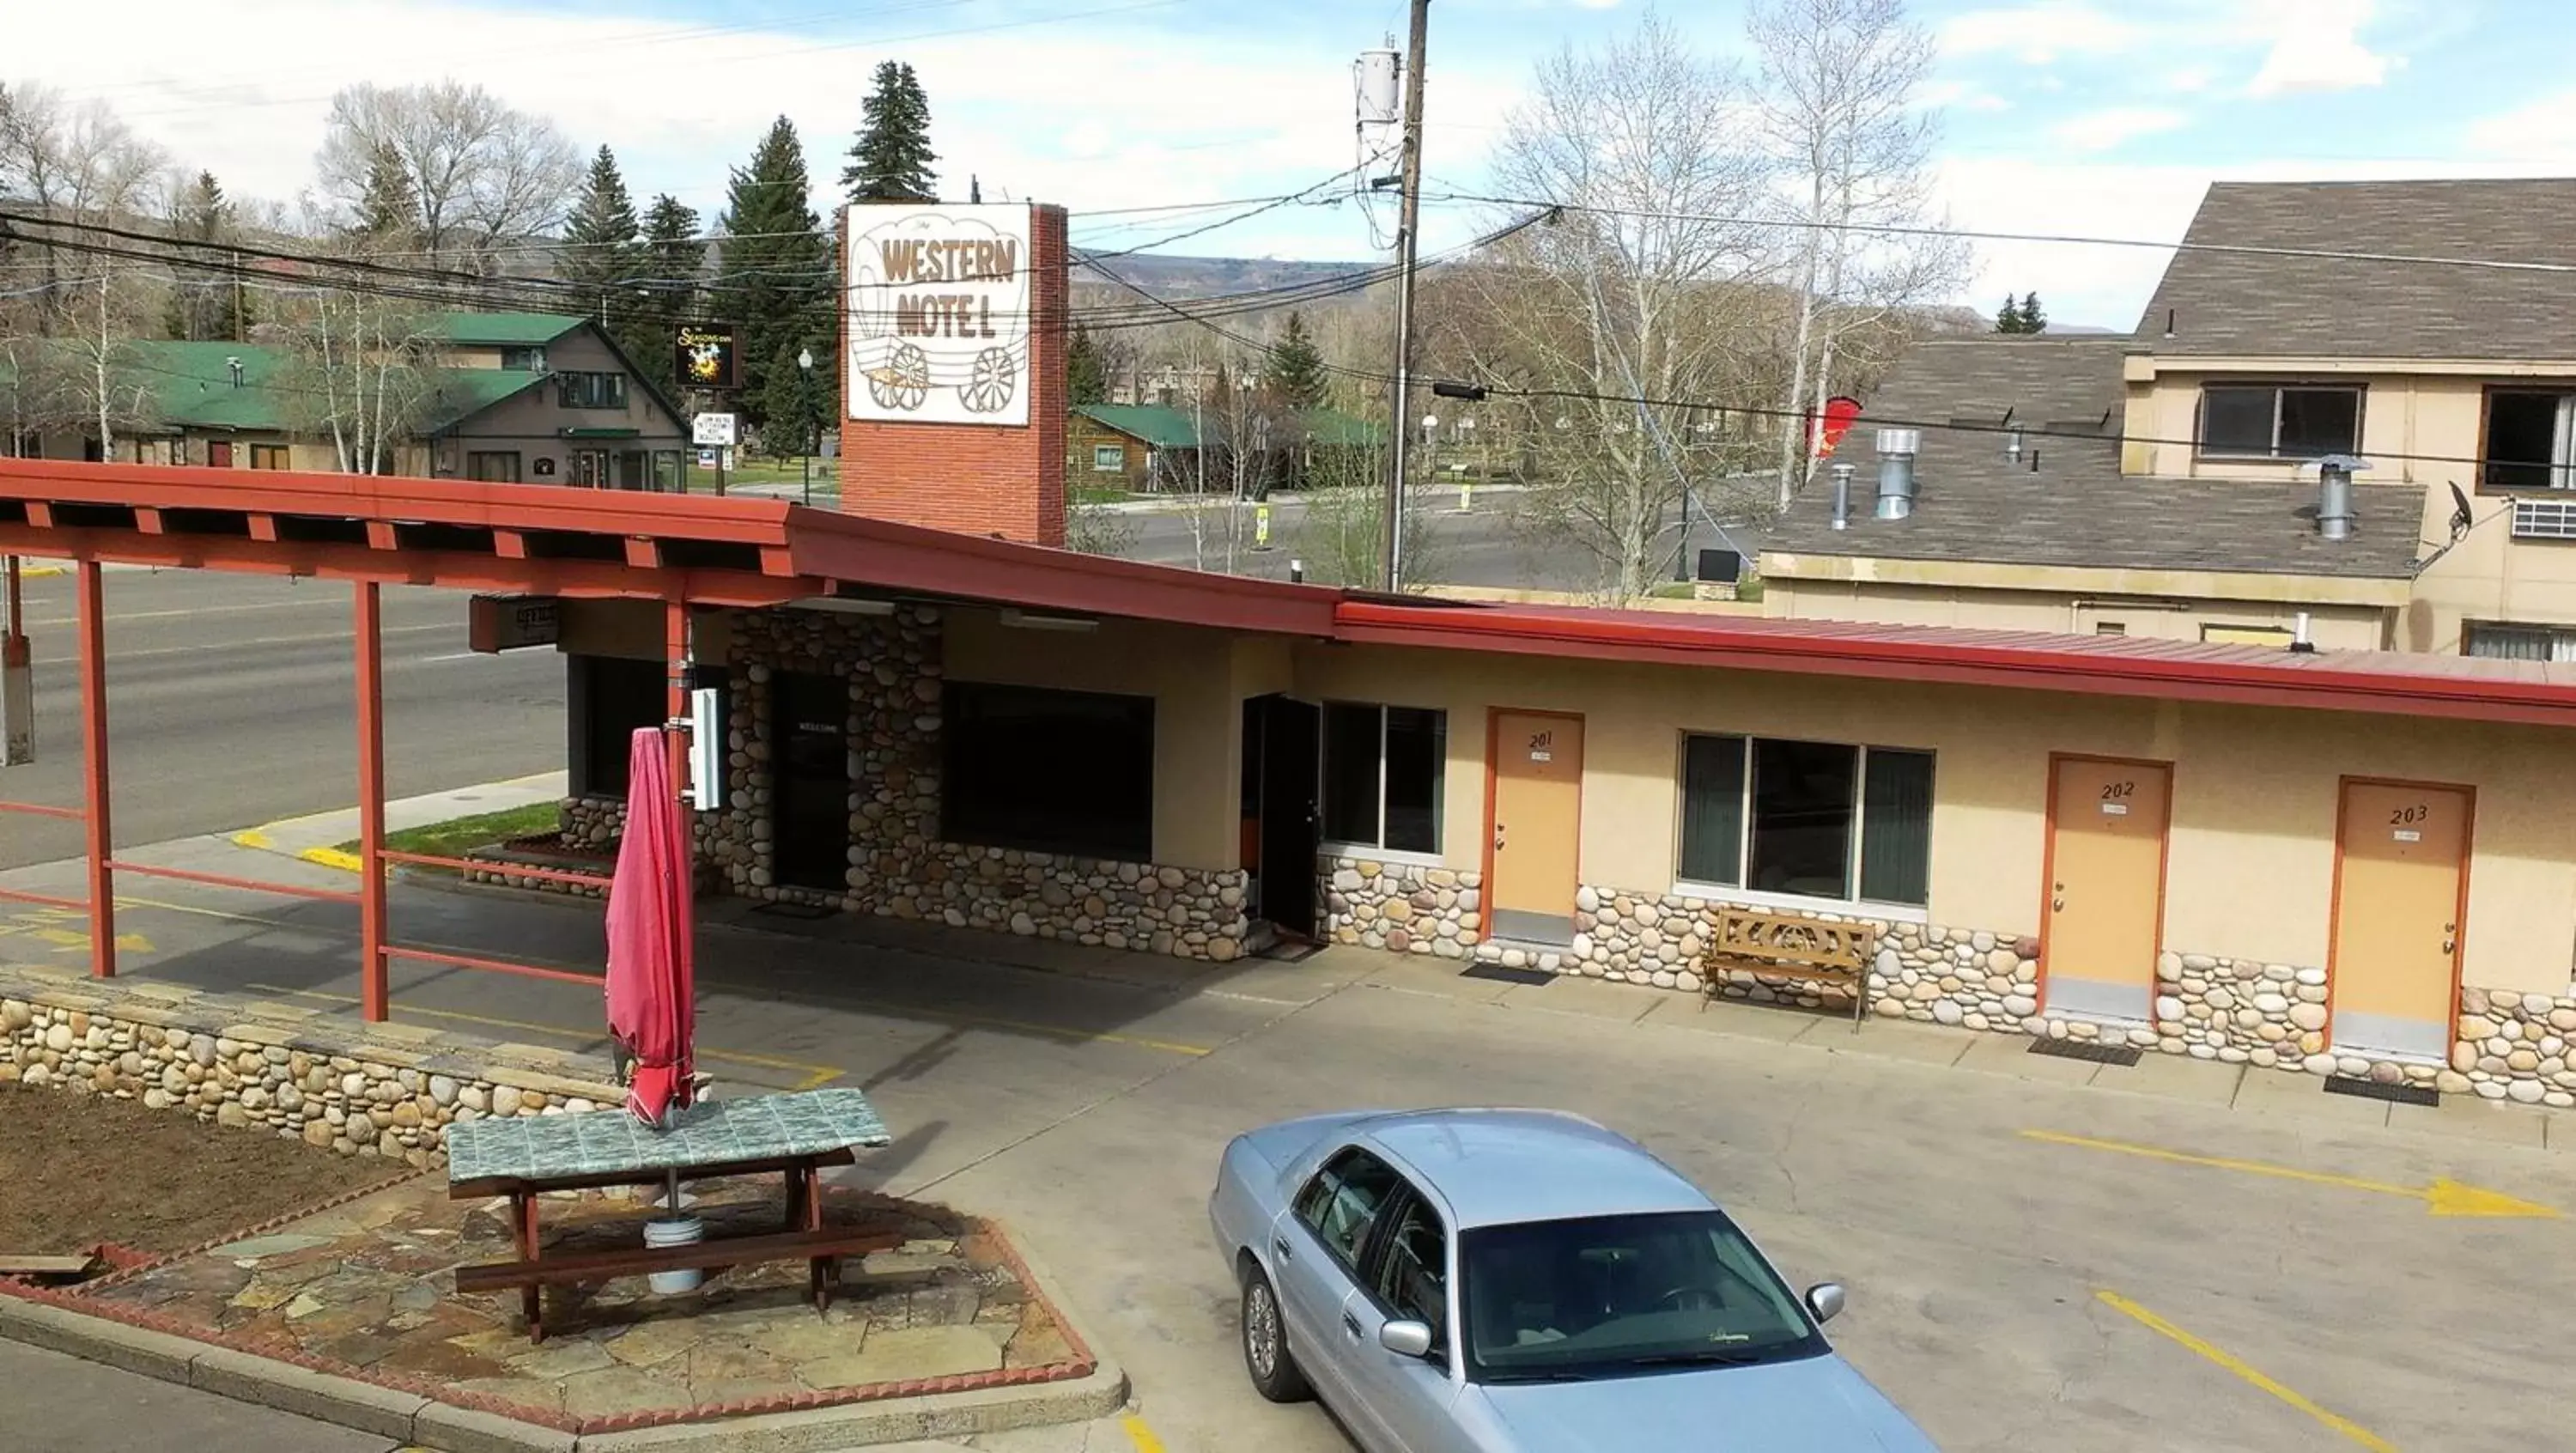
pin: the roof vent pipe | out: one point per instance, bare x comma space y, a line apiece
2012, 446
1842, 496
1896, 450
2299, 641
234, 364
2334, 495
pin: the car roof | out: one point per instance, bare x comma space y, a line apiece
1493, 1167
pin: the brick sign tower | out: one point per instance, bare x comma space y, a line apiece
952, 359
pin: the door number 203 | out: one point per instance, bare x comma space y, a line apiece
2402, 815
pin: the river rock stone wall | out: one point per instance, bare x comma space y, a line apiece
2514, 1046
1402, 907
231, 1060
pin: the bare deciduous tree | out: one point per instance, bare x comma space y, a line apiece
1637, 291
1838, 110
366, 366
481, 172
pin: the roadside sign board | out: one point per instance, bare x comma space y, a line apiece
495, 623
703, 356
712, 429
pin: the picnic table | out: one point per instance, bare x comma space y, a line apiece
794, 1135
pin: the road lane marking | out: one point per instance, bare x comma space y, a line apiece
816, 1076
1140, 1435
213, 610
2241, 1368
2441, 1198
341, 638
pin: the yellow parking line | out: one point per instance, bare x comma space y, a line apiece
1140, 1435
2234, 1364
816, 1076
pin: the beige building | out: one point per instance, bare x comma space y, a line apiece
2169, 483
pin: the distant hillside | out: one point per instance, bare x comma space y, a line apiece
1200, 277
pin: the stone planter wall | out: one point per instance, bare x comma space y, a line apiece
236, 1061
592, 821
1402, 907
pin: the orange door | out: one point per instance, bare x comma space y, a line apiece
2106, 888
1538, 815
2396, 953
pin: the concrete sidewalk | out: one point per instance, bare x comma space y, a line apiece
315, 838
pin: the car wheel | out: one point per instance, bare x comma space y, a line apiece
1265, 1343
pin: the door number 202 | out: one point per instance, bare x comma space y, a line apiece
2117, 791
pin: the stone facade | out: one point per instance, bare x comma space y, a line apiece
239, 1062
2245, 1011
2515, 1047
592, 823
1402, 907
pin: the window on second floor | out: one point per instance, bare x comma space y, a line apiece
523, 360
2500, 641
2279, 420
2530, 439
592, 390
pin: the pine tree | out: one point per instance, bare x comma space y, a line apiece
890, 161
2008, 317
774, 278
673, 257
389, 210
792, 402
2032, 319
206, 304
604, 254
1086, 373
1296, 370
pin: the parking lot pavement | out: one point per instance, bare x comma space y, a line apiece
2150, 1263
60, 1404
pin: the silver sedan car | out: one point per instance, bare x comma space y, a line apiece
1522, 1281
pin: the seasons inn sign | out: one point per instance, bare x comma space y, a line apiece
937, 314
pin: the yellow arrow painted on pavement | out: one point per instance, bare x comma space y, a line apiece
2443, 1197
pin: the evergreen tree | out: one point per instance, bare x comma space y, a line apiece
1086, 373
792, 402
389, 209
2032, 319
605, 255
674, 256
890, 161
774, 278
1296, 367
207, 304
2008, 317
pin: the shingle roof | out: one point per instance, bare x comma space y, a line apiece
192, 387
2252, 304
513, 329
2076, 509
1155, 424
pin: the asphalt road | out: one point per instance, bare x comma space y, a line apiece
2042, 1254
231, 703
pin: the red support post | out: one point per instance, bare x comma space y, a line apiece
375, 991
101, 840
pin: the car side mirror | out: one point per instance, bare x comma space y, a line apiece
1406, 1339
1825, 1301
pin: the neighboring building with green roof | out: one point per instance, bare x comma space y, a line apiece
529, 397
1145, 447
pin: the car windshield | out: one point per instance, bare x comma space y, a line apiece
1612, 1295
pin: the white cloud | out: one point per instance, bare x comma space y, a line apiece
2040, 33
1960, 96
2543, 132
2316, 46
2192, 78
2113, 126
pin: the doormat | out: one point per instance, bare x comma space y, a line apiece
1289, 951
806, 911
2374, 1090
1508, 976
2094, 1050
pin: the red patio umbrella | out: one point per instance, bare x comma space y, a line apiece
652, 988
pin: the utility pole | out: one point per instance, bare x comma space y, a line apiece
1407, 239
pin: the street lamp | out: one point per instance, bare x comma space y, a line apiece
814, 426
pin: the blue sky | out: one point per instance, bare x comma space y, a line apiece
2097, 117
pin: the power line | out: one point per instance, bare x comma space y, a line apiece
2319, 254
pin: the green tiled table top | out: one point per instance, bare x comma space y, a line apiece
712, 1132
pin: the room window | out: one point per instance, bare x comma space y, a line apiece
1807, 819
2531, 440
591, 390
2518, 643
523, 360
2279, 421
499, 466
611, 696
1068, 772
268, 456
1108, 458
1383, 774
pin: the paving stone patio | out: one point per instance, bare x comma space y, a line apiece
365, 1289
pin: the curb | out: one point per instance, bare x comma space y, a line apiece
42, 1320
258, 840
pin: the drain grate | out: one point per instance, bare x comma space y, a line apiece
1508, 976
806, 911
2374, 1090
2087, 1049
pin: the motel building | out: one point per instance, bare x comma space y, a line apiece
2321, 862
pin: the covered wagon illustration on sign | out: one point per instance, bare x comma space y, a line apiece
937, 314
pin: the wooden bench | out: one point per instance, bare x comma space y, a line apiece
822, 1249
1794, 946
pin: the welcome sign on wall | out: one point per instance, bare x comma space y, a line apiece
937, 314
